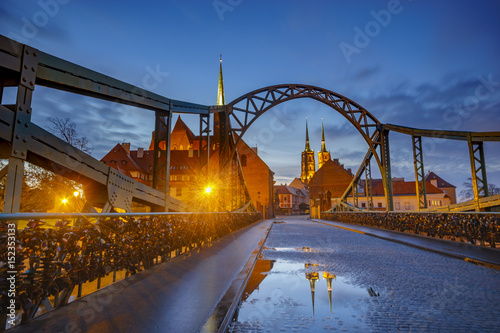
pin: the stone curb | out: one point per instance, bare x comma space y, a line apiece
231, 299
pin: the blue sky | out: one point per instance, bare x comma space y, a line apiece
425, 64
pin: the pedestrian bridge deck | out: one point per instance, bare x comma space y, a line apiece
181, 294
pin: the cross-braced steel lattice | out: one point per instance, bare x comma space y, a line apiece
418, 162
478, 167
161, 159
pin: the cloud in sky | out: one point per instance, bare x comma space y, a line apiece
434, 65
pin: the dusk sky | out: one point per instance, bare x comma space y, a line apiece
423, 64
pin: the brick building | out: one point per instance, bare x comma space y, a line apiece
188, 172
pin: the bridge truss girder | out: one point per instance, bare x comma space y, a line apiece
475, 142
161, 159
20, 140
418, 162
478, 168
243, 111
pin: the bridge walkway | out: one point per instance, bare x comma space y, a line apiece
176, 296
182, 294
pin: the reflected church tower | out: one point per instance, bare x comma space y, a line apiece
308, 163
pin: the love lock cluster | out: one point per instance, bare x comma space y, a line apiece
51, 261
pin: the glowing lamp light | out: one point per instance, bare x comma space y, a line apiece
64, 201
208, 190
76, 193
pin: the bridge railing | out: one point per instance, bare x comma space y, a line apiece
45, 267
472, 227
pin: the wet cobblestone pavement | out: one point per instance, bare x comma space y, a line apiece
375, 285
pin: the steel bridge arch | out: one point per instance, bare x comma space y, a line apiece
243, 111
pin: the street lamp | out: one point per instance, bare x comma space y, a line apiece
208, 190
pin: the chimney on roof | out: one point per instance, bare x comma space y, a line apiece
126, 146
336, 160
140, 152
350, 171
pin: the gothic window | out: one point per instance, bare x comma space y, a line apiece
174, 147
243, 160
181, 147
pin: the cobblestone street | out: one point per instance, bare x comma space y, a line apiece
379, 286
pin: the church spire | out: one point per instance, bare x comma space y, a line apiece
308, 165
323, 154
323, 144
308, 147
220, 90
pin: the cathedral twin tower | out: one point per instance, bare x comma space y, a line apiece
308, 163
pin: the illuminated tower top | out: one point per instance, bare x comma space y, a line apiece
323, 144
220, 90
308, 164
323, 154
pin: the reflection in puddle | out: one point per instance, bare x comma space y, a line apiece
288, 296
293, 249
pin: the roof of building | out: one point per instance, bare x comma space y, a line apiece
404, 188
285, 189
121, 160
299, 184
180, 126
333, 177
440, 181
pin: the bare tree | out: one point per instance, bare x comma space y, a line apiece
66, 130
468, 192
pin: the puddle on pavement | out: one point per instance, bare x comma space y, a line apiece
283, 296
293, 249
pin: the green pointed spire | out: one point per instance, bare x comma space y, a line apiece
308, 147
323, 144
220, 90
